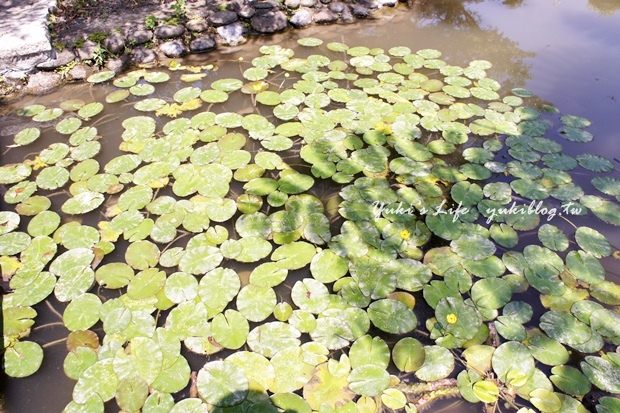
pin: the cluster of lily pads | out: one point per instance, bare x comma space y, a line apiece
146, 251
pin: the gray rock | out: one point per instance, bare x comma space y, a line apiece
202, 44
43, 82
197, 25
326, 1
265, 5
308, 3
173, 48
346, 16
292, 4
388, 3
118, 64
169, 32
87, 51
270, 22
142, 55
80, 72
337, 7
139, 37
222, 18
61, 58
360, 11
114, 43
246, 12
325, 16
232, 34
302, 18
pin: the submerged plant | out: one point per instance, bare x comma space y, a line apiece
223, 244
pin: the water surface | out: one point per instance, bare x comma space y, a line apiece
567, 52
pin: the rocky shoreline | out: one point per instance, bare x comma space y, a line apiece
157, 32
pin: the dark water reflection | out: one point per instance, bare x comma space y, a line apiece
567, 52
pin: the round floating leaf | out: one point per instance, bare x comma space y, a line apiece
369, 380
392, 316
101, 77
408, 355
438, 364
22, 359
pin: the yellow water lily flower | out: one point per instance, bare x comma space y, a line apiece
36, 164
451, 318
404, 234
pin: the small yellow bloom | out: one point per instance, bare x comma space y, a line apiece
36, 163
451, 318
404, 234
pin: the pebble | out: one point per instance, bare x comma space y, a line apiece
308, 3
139, 37
222, 18
337, 7
169, 32
232, 34
114, 43
43, 82
325, 16
142, 55
246, 12
292, 4
270, 22
87, 51
173, 48
197, 25
80, 72
62, 58
360, 11
202, 44
302, 18
118, 64
265, 5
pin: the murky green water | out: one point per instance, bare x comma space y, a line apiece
567, 52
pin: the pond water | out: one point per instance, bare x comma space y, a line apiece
566, 52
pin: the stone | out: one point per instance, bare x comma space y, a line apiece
139, 37
326, 1
169, 32
387, 3
60, 59
43, 82
25, 40
202, 44
173, 48
197, 25
232, 34
222, 18
246, 12
265, 5
87, 50
142, 55
80, 72
117, 65
292, 4
115, 44
360, 11
325, 16
302, 18
346, 16
337, 7
308, 3
271, 22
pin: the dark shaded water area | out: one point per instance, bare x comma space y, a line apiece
566, 52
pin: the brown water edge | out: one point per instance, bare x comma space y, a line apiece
566, 53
